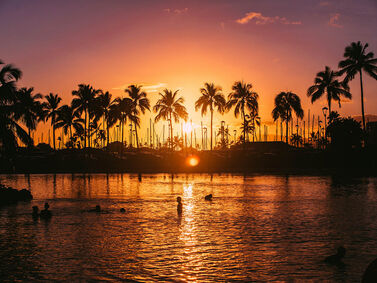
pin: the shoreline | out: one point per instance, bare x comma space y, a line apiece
274, 159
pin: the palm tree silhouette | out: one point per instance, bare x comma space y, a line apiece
84, 102
123, 111
10, 130
140, 103
285, 103
29, 109
255, 119
67, 118
243, 98
105, 108
51, 107
326, 82
170, 106
211, 97
357, 60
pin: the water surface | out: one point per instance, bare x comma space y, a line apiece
257, 228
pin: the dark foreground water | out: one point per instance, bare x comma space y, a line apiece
257, 228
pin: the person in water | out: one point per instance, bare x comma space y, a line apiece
179, 205
35, 212
96, 209
208, 197
122, 210
45, 213
336, 258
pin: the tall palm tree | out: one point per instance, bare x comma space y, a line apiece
356, 61
83, 101
67, 118
211, 98
140, 102
104, 106
29, 108
170, 106
51, 107
285, 103
326, 83
243, 98
123, 111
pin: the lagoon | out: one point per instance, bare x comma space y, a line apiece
257, 228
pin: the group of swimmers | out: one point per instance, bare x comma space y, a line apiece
44, 214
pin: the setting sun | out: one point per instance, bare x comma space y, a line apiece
193, 161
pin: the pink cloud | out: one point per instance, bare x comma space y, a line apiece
176, 11
262, 20
334, 18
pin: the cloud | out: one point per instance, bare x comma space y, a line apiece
334, 18
149, 88
324, 3
176, 11
262, 20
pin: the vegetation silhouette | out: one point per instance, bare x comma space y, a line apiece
242, 98
357, 60
170, 106
211, 97
326, 83
140, 102
285, 103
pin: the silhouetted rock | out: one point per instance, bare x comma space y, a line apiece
8, 195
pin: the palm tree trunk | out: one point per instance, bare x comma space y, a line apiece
254, 129
211, 125
137, 138
53, 134
85, 133
244, 126
29, 132
362, 99
286, 138
108, 133
171, 132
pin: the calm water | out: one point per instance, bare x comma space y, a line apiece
257, 228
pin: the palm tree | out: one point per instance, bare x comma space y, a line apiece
140, 102
170, 106
29, 109
123, 111
8, 75
10, 130
255, 119
51, 109
84, 102
326, 82
211, 98
285, 103
243, 97
67, 118
104, 106
357, 60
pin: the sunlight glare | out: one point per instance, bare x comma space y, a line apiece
192, 161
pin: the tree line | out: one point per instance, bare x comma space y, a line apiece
93, 112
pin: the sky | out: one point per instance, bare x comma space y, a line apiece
275, 45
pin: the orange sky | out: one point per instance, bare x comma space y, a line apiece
182, 44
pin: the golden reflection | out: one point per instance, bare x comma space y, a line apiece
188, 235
